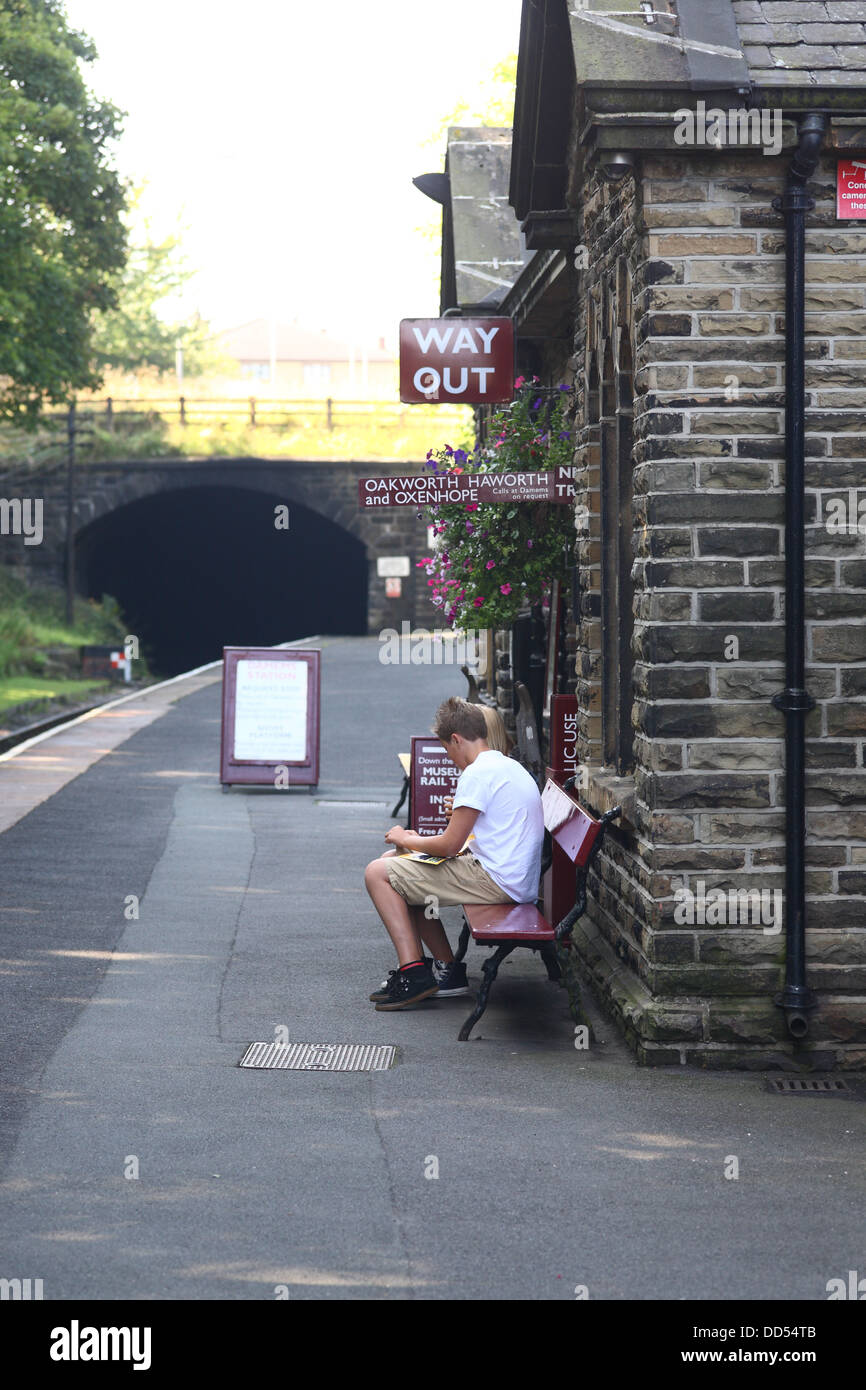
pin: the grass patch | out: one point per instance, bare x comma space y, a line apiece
32, 617
20, 690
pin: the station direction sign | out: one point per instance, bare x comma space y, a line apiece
434, 489
460, 361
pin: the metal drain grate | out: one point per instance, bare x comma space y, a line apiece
808, 1086
320, 1056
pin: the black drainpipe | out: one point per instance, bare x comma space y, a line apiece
796, 998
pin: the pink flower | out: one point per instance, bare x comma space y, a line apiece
519, 382
490, 564
505, 589
477, 602
472, 506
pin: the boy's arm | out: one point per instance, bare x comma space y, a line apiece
448, 843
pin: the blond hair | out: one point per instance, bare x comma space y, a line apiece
497, 734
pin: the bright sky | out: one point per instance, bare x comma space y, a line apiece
287, 134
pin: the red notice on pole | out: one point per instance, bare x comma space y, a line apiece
851, 188
455, 360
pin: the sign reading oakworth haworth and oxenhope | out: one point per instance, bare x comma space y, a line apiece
433, 489
460, 361
851, 188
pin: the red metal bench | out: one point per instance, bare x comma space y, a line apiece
506, 926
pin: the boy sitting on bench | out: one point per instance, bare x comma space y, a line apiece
497, 800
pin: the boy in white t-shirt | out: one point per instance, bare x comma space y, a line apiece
498, 802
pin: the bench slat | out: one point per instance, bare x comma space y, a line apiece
507, 922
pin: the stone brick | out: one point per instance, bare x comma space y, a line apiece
682, 190
693, 858
712, 216
672, 947
695, 574
719, 505
853, 681
689, 297
847, 718
718, 789
840, 788
669, 1025
739, 540
836, 825
701, 642
672, 829
733, 325
736, 756
760, 1023
740, 827
678, 683
830, 753
839, 643
736, 607
736, 474
703, 244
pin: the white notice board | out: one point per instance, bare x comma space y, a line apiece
270, 716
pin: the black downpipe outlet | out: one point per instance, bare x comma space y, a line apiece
796, 998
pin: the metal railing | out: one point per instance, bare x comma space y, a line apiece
253, 411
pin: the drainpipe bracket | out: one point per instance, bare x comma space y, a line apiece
796, 998
794, 199
792, 700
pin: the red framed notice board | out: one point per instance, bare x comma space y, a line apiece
270, 723
434, 777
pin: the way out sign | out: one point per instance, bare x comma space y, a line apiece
851, 188
465, 361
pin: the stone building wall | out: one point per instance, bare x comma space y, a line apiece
686, 262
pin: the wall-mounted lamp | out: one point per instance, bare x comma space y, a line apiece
615, 165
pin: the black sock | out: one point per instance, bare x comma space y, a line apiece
411, 965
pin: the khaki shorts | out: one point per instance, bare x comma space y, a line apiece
454, 881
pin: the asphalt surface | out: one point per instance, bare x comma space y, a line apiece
120, 1039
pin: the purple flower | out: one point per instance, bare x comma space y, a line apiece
565, 434
536, 404
563, 387
529, 545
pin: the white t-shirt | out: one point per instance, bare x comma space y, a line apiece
509, 832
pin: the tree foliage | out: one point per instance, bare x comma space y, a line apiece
133, 334
62, 238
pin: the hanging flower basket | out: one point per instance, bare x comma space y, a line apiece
492, 559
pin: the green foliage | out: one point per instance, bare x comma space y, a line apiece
61, 233
133, 334
32, 617
494, 558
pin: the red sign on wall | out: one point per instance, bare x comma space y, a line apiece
465, 361
851, 188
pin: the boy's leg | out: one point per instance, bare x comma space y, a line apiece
400, 922
432, 933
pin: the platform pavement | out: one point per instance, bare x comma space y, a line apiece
557, 1168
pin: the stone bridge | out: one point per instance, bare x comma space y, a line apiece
198, 554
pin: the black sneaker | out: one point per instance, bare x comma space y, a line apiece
409, 987
451, 978
383, 993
